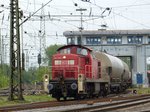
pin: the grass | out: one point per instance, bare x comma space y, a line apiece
28, 99
141, 90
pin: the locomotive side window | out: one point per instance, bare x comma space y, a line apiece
70, 62
82, 51
57, 62
64, 62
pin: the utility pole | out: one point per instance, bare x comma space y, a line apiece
15, 58
81, 28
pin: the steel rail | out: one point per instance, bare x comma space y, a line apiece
112, 106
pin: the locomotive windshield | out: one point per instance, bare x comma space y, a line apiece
65, 51
74, 50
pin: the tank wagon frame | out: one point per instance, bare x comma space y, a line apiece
80, 72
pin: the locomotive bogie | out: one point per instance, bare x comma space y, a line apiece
65, 89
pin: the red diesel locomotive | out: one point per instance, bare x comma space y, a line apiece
80, 72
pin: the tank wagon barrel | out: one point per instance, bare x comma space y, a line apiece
80, 72
117, 70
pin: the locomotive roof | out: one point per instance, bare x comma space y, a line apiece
79, 46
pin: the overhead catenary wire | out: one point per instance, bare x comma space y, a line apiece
131, 5
66, 21
102, 8
35, 12
134, 21
127, 18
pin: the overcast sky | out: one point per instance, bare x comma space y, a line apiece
117, 14
114, 14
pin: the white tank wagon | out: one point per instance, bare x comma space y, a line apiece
116, 71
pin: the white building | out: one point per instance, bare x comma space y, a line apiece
132, 44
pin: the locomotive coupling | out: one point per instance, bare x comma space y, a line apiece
63, 86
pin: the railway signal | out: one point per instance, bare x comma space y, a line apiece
39, 59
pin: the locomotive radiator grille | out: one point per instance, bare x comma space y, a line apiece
65, 71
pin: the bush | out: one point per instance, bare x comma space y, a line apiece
4, 81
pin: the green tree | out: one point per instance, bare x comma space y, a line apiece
29, 76
36, 74
40, 73
33, 74
50, 51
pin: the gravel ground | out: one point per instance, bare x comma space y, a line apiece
138, 108
60, 108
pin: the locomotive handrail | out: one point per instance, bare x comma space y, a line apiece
88, 72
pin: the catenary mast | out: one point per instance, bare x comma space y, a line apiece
42, 37
15, 90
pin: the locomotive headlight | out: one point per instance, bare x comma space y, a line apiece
74, 86
50, 86
70, 62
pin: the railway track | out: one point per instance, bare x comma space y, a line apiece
5, 92
72, 102
113, 106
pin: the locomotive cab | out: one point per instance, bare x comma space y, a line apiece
70, 61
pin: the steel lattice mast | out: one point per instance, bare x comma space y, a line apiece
42, 37
15, 90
